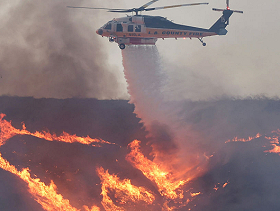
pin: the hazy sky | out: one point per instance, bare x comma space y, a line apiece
48, 50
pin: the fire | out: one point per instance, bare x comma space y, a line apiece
8, 131
195, 194
276, 149
124, 191
218, 186
118, 194
167, 184
46, 195
244, 140
274, 141
225, 184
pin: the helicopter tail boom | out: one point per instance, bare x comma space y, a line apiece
220, 26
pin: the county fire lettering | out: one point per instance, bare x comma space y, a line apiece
180, 33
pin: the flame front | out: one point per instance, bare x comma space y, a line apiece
8, 131
168, 186
45, 195
124, 191
276, 149
42, 193
243, 139
118, 195
274, 141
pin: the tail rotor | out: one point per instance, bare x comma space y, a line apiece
228, 8
220, 26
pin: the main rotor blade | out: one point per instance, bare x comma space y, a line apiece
227, 3
124, 11
173, 6
148, 4
143, 8
95, 8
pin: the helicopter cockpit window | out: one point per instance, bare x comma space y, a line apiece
108, 26
138, 28
119, 28
130, 28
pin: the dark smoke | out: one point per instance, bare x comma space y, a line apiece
48, 50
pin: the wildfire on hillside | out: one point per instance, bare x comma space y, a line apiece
167, 188
117, 194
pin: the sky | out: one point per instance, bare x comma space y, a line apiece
48, 50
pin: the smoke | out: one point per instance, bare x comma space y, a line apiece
48, 50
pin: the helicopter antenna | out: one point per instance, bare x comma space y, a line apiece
139, 9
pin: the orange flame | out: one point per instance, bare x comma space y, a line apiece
195, 194
224, 185
276, 149
46, 195
274, 140
118, 195
167, 184
244, 140
8, 131
218, 186
125, 192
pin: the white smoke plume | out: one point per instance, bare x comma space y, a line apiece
48, 50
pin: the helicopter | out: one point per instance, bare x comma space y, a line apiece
146, 30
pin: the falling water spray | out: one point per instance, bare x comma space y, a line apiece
145, 78
171, 138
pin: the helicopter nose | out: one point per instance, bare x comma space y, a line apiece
99, 31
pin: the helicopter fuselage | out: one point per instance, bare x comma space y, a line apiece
145, 30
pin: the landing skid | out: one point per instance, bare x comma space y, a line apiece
203, 43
